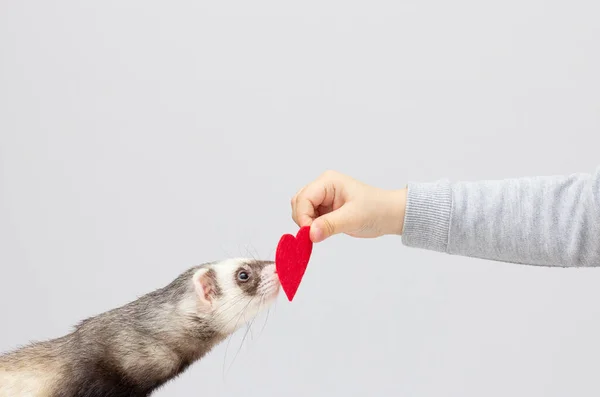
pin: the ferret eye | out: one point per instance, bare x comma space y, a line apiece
243, 276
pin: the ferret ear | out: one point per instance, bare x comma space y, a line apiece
205, 287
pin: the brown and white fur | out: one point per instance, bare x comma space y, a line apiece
134, 349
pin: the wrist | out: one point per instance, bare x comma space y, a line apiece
396, 210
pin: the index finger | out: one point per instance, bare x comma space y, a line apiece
317, 193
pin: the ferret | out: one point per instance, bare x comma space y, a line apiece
135, 349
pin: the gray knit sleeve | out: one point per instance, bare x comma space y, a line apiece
546, 221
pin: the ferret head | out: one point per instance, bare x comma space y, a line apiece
233, 291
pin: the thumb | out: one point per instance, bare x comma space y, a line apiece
335, 222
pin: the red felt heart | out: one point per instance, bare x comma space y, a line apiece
291, 259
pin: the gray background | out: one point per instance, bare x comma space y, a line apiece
138, 138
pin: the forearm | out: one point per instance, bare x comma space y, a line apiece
551, 221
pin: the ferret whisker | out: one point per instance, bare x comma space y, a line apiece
247, 252
262, 301
226, 325
235, 300
224, 309
225, 250
260, 306
230, 336
265, 323
250, 329
255, 252
243, 339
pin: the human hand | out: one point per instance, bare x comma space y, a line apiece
336, 203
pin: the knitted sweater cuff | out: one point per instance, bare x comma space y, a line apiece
427, 215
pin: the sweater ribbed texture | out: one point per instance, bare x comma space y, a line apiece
546, 221
427, 217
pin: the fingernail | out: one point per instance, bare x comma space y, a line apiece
317, 233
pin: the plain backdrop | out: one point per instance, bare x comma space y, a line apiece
138, 138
